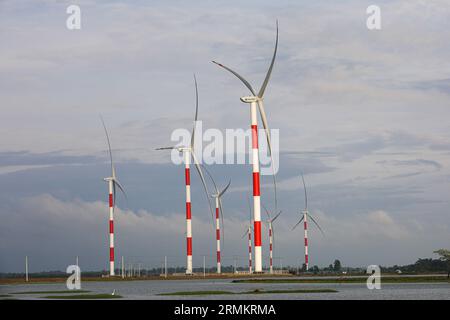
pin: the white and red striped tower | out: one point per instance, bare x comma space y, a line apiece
250, 267
189, 151
254, 100
219, 214
187, 174
304, 218
256, 183
218, 235
305, 225
270, 248
113, 182
270, 221
111, 227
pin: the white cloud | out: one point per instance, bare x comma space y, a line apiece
52, 232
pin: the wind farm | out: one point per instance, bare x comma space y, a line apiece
320, 174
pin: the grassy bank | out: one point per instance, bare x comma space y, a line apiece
349, 280
50, 292
86, 296
47, 280
256, 291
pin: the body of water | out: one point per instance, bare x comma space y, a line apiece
151, 289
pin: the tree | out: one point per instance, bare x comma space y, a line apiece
315, 269
337, 265
330, 267
444, 256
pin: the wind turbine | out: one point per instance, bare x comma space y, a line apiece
219, 215
270, 221
256, 99
248, 232
188, 152
112, 183
304, 218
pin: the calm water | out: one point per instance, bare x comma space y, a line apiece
150, 289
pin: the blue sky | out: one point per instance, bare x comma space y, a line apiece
362, 113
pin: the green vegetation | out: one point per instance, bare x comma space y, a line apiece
194, 293
385, 279
4, 295
444, 256
50, 292
256, 291
86, 296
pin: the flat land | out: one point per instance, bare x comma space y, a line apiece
246, 278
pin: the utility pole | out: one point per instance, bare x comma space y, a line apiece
165, 266
122, 267
234, 264
139, 270
204, 266
26, 268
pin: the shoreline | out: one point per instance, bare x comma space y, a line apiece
246, 278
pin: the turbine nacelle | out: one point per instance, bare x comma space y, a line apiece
250, 99
182, 149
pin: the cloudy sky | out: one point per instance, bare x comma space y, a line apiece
364, 114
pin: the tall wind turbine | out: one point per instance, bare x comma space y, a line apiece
270, 221
256, 99
112, 183
219, 216
188, 152
304, 218
248, 232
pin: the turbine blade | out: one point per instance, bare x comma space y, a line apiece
114, 194
121, 188
165, 148
306, 196
109, 145
262, 113
276, 216
116, 182
196, 112
269, 72
267, 212
245, 82
205, 187
317, 225
221, 218
214, 183
298, 223
225, 189
250, 209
